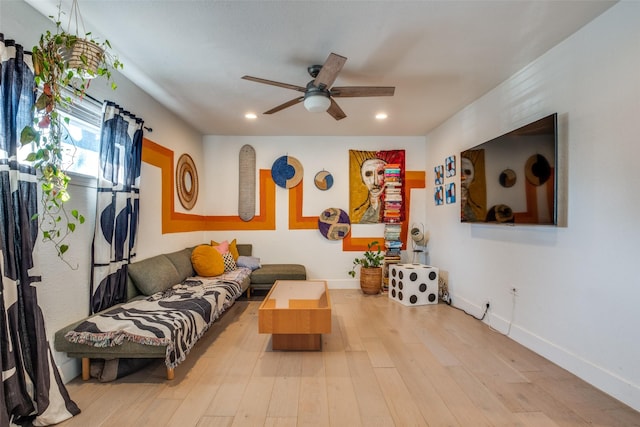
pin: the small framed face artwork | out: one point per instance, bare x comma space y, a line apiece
438, 195
439, 172
451, 193
450, 166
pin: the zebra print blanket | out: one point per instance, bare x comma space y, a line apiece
175, 318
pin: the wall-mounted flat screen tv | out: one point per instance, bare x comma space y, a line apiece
512, 179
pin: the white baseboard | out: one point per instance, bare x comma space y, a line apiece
343, 283
70, 369
601, 378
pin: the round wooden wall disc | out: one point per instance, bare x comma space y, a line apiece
187, 181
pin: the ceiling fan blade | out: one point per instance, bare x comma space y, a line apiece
354, 91
335, 111
285, 105
329, 70
272, 83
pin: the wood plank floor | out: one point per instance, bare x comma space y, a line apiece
383, 365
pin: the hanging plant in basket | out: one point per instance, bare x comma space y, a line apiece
64, 64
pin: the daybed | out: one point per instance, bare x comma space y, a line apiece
157, 283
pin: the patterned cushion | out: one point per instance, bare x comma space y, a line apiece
229, 262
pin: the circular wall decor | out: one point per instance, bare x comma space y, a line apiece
187, 181
501, 214
537, 169
507, 178
334, 224
323, 180
286, 172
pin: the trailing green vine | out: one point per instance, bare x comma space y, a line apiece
64, 65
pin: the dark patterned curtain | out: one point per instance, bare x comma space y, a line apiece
32, 390
114, 240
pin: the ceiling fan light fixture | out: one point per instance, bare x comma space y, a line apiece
317, 103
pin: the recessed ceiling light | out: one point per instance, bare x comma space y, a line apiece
250, 116
381, 116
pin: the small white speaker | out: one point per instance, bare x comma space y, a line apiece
413, 284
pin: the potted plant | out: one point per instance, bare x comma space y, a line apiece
370, 269
64, 64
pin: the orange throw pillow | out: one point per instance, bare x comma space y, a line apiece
207, 261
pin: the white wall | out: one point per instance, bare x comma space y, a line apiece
64, 293
323, 259
578, 298
577, 288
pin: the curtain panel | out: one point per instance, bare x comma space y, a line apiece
32, 390
117, 209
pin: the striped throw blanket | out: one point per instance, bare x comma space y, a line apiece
175, 318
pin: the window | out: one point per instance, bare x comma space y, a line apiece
82, 147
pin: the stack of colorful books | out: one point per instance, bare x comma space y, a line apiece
393, 208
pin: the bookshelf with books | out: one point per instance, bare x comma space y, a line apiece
393, 246
392, 218
393, 207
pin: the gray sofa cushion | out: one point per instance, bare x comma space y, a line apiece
182, 261
244, 248
154, 274
269, 273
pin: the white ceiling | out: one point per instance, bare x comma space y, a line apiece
440, 55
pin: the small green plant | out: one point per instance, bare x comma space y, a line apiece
369, 259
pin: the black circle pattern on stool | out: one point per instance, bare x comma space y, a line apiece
400, 296
413, 277
400, 275
432, 297
393, 293
393, 272
423, 287
432, 275
413, 299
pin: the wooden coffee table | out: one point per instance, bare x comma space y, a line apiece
296, 313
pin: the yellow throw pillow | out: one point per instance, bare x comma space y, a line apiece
207, 261
232, 248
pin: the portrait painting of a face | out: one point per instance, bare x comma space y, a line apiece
367, 183
473, 190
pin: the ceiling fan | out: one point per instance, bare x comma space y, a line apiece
318, 94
